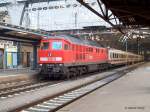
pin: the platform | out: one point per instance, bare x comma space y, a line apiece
17, 74
130, 93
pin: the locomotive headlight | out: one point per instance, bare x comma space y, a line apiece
58, 58
60, 64
41, 64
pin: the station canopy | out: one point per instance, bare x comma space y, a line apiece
18, 33
130, 12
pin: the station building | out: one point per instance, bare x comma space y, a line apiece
13, 55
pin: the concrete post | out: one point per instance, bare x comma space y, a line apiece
34, 57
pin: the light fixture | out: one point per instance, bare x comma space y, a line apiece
24, 33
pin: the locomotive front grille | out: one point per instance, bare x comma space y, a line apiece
52, 68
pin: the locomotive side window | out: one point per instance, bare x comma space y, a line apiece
66, 47
87, 49
80, 47
45, 45
73, 47
56, 45
91, 49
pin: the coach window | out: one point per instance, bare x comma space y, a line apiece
113, 55
45, 45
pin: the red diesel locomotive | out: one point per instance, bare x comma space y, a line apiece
66, 56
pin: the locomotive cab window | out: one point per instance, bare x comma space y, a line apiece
45, 45
57, 45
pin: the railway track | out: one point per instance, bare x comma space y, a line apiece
60, 101
8, 85
14, 88
21, 87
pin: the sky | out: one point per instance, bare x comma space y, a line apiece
56, 15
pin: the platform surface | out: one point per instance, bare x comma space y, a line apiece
130, 93
4, 72
17, 74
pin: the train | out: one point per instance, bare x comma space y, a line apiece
66, 56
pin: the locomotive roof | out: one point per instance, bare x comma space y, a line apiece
77, 40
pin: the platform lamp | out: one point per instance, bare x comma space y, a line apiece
124, 39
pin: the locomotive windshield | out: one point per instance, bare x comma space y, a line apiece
57, 45
45, 45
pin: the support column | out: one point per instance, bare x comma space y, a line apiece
5, 58
18, 53
145, 55
34, 57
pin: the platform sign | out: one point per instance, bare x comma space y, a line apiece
1, 58
9, 59
11, 49
11, 56
4, 43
